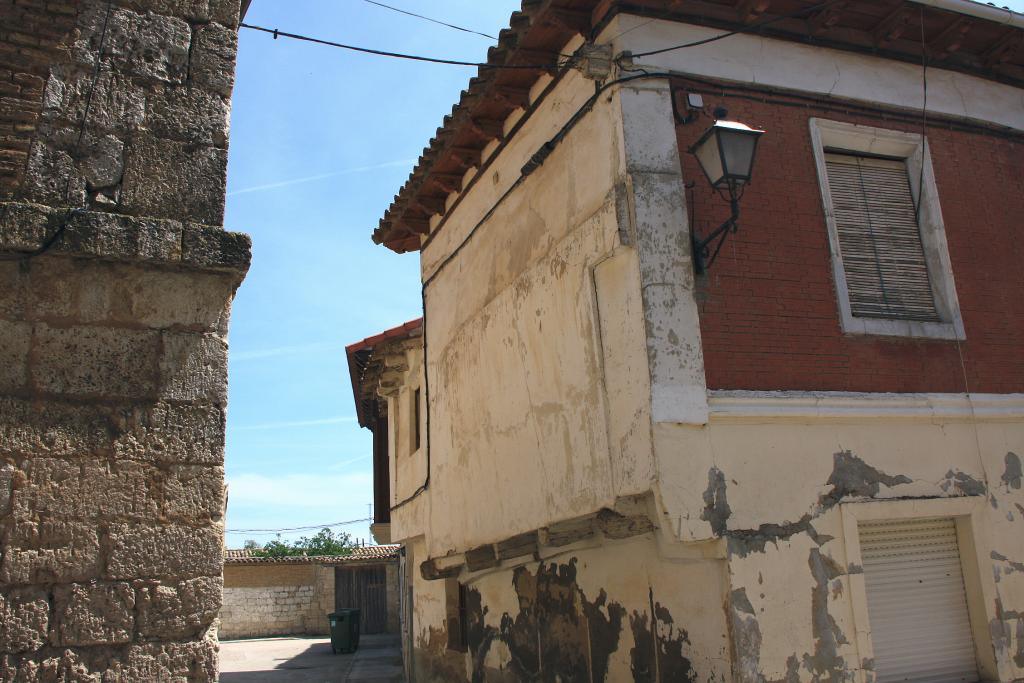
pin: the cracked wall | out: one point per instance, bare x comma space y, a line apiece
570, 365
615, 613
542, 304
113, 344
776, 495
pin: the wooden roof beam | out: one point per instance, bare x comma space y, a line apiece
951, 38
447, 182
825, 19
749, 11
465, 157
1003, 49
576, 21
430, 204
487, 129
893, 26
415, 226
513, 97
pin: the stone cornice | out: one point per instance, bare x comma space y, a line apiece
759, 406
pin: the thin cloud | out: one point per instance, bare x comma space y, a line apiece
344, 465
322, 176
341, 419
256, 354
319, 490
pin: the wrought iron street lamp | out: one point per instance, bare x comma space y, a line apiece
726, 155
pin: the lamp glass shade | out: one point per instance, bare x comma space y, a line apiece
726, 152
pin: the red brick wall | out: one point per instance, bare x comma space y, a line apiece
32, 33
768, 310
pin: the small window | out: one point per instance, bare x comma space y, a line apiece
416, 420
917, 605
890, 261
879, 238
455, 610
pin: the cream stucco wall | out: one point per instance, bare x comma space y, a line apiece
559, 295
566, 371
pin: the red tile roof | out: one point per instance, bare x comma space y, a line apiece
364, 350
538, 33
362, 555
394, 333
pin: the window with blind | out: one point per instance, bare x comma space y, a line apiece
879, 238
890, 260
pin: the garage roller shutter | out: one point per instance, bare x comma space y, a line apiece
916, 602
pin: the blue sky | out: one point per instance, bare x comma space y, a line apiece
321, 140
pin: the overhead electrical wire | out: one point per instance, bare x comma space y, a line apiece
297, 528
433, 21
400, 55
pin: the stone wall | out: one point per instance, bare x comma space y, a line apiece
275, 600
393, 599
113, 342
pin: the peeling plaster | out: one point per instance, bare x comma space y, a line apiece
558, 635
853, 478
825, 663
964, 484
716, 507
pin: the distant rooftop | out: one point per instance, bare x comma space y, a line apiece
365, 554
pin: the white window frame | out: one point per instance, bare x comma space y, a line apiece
971, 531
913, 148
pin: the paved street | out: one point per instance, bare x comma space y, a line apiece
310, 660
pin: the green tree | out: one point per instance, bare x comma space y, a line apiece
325, 542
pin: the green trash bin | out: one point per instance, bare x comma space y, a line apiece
344, 630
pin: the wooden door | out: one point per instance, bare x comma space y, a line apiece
365, 588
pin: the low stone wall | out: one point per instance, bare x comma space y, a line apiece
274, 600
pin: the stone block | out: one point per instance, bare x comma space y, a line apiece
194, 367
95, 361
12, 290
56, 429
15, 341
93, 291
101, 160
65, 290
51, 175
122, 237
195, 662
88, 489
178, 610
225, 12
24, 226
188, 114
174, 434
144, 551
194, 494
24, 618
205, 247
89, 614
50, 551
8, 473
118, 104
212, 65
188, 300
149, 46
169, 179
